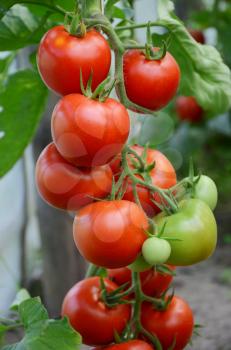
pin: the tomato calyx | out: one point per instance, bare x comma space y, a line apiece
102, 91
76, 26
152, 54
115, 297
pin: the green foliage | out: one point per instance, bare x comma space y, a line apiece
22, 104
42, 333
203, 73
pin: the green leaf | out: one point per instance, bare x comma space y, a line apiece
156, 130
4, 67
203, 73
21, 106
21, 296
20, 28
3, 330
42, 333
5, 5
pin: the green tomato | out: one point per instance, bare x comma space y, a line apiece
195, 229
206, 190
156, 250
139, 265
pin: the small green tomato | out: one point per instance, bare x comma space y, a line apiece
156, 250
206, 190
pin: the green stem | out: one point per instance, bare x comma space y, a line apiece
91, 8
92, 270
137, 25
133, 47
138, 181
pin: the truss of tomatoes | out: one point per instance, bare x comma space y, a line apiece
75, 173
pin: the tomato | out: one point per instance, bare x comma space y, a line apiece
195, 228
66, 187
188, 109
135, 344
198, 35
162, 175
206, 190
156, 250
174, 324
89, 315
88, 132
110, 233
150, 83
153, 283
61, 57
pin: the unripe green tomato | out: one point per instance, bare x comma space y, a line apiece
156, 250
139, 265
206, 190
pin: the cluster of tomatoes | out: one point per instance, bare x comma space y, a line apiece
116, 191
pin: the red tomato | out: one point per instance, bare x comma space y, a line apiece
153, 283
198, 35
174, 324
150, 83
110, 233
162, 175
187, 108
89, 315
134, 344
66, 187
88, 132
61, 56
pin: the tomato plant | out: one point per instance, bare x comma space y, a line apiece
173, 326
89, 315
135, 344
62, 57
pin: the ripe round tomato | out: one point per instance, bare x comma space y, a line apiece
61, 57
66, 187
195, 228
135, 344
153, 283
110, 233
89, 315
188, 109
198, 35
162, 175
150, 83
88, 132
174, 324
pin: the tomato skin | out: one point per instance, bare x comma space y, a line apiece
174, 323
135, 344
66, 187
150, 83
195, 226
110, 233
188, 109
90, 316
206, 190
88, 132
163, 175
198, 35
153, 283
61, 56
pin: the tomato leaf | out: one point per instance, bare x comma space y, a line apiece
4, 67
42, 333
20, 28
21, 296
5, 5
203, 73
21, 106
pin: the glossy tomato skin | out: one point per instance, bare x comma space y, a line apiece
87, 132
153, 283
67, 187
62, 56
150, 83
198, 35
188, 109
163, 175
175, 323
110, 233
195, 227
90, 316
135, 344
